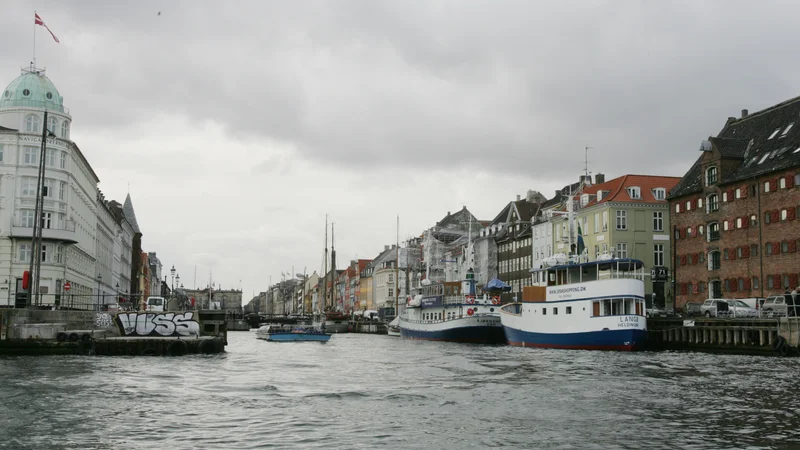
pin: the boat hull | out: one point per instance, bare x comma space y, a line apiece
296, 337
476, 330
621, 340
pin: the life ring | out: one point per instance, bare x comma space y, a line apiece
779, 345
148, 351
470, 312
61, 336
177, 348
470, 299
495, 300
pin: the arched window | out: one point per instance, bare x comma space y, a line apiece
713, 231
711, 176
712, 203
715, 289
65, 129
713, 260
32, 123
52, 124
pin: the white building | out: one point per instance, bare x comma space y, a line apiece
77, 235
385, 285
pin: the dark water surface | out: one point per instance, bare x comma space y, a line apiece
363, 391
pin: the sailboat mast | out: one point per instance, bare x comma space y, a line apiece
333, 268
397, 267
323, 301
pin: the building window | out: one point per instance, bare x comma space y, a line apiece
677, 207
701, 287
713, 203
635, 192
32, 123
622, 250
767, 217
739, 252
714, 260
62, 192
755, 282
45, 253
65, 129
1, 153
47, 220
31, 156
25, 252
50, 157
738, 222
766, 186
29, 187
605, 220
63, 163
689, 205
622, 220
658, 221
658, 254
782, 183
754, 250
738, 193
59, 254
768, 248
555, 311
52, 124
716, 289
659, 193
713, 231
724, 225
700, 230
784, 247
26, 218
784, 214
753, 220
711, 175
49, 187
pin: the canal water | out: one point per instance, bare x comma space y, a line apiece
366, 391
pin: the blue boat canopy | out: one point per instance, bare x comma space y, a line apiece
496, 285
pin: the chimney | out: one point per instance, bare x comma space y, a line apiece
599, 178
385, 247
558, 194
744, 113
517, 197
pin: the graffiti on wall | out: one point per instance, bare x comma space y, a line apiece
157, 324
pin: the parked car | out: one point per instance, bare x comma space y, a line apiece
777, 305
714, 307
693, 309
739, 308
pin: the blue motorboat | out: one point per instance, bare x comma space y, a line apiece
277, 333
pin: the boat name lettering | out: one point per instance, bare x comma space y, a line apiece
628, 322
157, 324
568, 290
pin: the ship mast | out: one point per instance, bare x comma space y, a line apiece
324, 299
397, 268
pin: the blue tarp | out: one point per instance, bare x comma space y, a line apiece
497, 285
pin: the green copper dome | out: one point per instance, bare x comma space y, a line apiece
32, 90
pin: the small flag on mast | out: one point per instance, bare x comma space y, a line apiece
38, 21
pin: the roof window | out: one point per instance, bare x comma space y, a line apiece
788, 127
797, 150
774, 133
635, 192
49, 95
764, 158
26, 92
660, 193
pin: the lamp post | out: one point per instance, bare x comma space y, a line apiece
99, 280
172, 272
116, 300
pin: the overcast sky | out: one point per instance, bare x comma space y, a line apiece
239, 125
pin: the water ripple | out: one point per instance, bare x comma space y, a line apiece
361, 391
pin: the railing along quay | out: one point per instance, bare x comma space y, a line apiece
762, 336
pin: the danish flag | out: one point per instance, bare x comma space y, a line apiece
38, 21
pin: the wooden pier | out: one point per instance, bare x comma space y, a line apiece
777, 336
365, 326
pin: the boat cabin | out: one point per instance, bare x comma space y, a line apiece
591, 271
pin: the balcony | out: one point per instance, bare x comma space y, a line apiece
62, 233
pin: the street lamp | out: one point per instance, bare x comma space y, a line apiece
172, 272
116, 300
178, 279
99, 280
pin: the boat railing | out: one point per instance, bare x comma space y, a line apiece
463, 316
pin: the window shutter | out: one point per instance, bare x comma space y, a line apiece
730, 195
744, 190
746, 284
790, 214
683, 234
696, 288
789, 181
775, 216
776, 248
776, 281
773, 185
745, 252
793, 280
694, 258
684, 289
792, 246
745, 222
683, 260
732, 253
734, 284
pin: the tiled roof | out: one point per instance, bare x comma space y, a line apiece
766, 141
617, 189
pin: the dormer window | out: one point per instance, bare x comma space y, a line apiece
711, 176
599, 195
660, 193
584, 199
635, 192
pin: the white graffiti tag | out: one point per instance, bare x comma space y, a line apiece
158, 324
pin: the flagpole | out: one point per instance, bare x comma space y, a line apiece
34, 42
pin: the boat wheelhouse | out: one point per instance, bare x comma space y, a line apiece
597, 305
452, 311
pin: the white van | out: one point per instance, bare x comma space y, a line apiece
156, 303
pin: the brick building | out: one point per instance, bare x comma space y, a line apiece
733, 213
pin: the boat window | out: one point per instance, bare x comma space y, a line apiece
555, 311
569, 309
544, 311
606, 307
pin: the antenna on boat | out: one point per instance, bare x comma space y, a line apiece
586, 163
